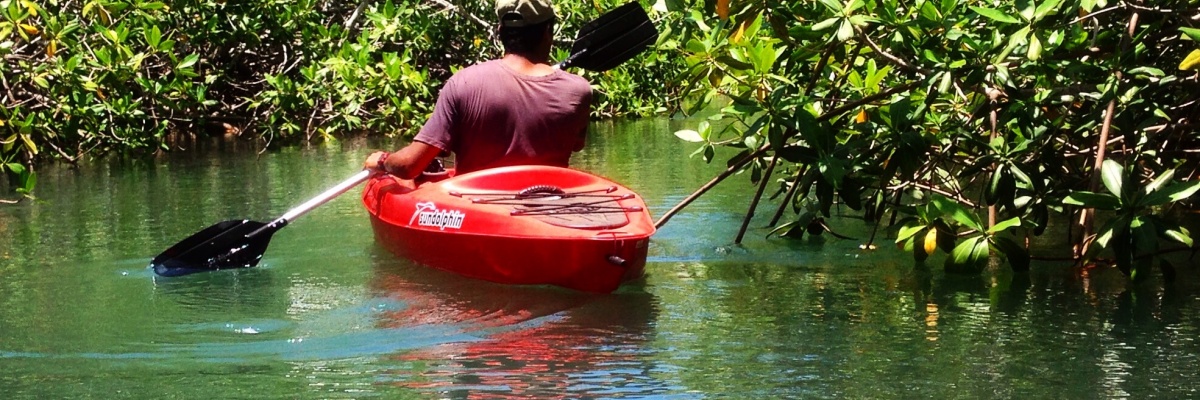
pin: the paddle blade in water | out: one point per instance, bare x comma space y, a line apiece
224, 245
613, 38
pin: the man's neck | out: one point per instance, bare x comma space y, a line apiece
527, 66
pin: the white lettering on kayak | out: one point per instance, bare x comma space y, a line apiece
427, 214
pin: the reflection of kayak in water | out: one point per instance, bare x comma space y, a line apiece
535, 341
528, 225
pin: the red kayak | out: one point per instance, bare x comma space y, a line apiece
526, 225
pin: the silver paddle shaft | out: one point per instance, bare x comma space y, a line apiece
302, 209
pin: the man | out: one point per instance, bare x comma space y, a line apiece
516, 110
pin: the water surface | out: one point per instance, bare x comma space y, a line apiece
330, 314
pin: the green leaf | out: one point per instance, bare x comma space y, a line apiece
944, 85
1113, 175
734, 63
845, 31
1026, 9
995, 15
826, 24
188, 61
153, 36
1110, 230
969, 254
1046, 8
689, 136
1003, 225
1179, 235
908, 231
30, 181
1101, 201
992, 193
1176, 192
1191, 33
1035, 48
1016, 39
15, 168
833, 6
1159, 182
1020, 175
957, 212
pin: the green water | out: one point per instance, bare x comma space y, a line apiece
329, 314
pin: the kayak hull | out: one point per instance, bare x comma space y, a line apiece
593, 237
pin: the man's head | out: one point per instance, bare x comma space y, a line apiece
526, 26
521, 13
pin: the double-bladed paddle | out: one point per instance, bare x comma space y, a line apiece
612, 39
602, 44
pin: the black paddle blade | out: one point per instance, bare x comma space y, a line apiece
224, 245
612, 39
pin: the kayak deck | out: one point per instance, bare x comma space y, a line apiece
517, 225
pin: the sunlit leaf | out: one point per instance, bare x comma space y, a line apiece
1035, 48
188, 61
832, 5
845, 31
1191, 33
967, 254
1016, 39
1046, 8
15, 168
1159, 182
995, 15
1191, 62
1026, 8
826, 24
957, 212
1172, 193
30, 146
1180, 235
908, 231
1003, 225
1113, 175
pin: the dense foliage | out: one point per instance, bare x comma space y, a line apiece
962, 125
966, 127
87, 77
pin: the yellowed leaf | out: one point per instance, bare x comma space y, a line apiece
862, 117
31, 6
1191, 62
52, 48
29, 144
30, 29
737, 34
931, 240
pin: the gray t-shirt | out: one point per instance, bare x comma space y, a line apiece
491, 116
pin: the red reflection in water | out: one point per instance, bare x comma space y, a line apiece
535, 341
